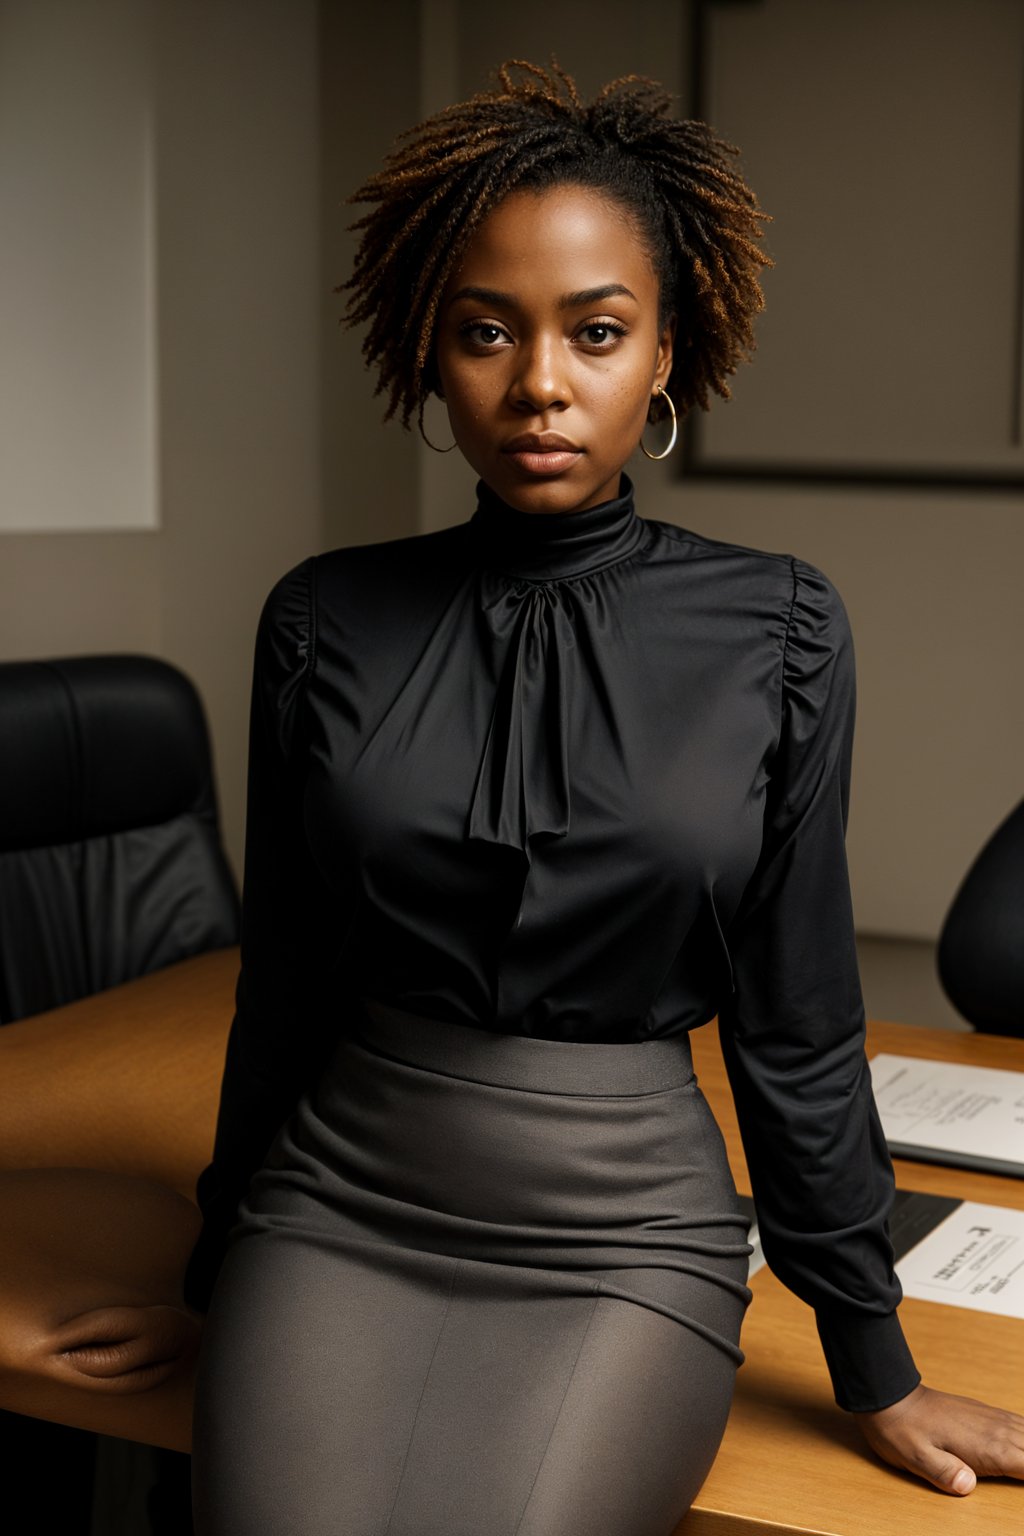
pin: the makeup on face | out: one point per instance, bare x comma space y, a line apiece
549, 348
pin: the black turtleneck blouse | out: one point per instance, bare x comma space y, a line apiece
578, 776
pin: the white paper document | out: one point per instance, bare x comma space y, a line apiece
946, 1112
974, 1258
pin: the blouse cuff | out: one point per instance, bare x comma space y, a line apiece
868, 1359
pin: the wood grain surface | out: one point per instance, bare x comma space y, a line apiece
126, 1080
791, 1461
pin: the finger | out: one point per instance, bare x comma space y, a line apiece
125, 1348
1001, 1453
948, 1472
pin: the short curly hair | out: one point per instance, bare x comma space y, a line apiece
690, 207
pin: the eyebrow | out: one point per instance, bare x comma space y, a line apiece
577, 300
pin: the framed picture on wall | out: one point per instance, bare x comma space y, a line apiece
887, 144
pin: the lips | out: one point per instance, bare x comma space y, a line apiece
541, 442
542, 453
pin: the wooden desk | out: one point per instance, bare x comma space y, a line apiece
107, 1111
791, 1461
127, 1081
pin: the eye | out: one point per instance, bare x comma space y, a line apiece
483, 333
602, 335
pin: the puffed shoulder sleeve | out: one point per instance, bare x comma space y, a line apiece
793, 1032
292, 925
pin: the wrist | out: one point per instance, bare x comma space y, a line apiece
867, 1357
895, 1410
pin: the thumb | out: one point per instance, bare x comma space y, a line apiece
949, 1473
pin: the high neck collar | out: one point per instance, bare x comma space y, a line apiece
544, 546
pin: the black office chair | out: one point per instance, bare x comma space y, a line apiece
111, 866
110, 858
981, 946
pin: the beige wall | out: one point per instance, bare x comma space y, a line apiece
239, 269
370, 82
77, 179
268, 115
236, 232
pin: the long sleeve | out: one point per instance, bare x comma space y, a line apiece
292, 928
793, 1027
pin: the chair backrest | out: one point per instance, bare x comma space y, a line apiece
981, 946
111, 863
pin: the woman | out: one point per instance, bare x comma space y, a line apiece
529, 798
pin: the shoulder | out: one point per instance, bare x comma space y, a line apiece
371, 594
702, 546
295, 595
795, 599
388, 565
339, 593
787, 572
738, 575
818, 634
285, 633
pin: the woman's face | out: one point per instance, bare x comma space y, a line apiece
548, 348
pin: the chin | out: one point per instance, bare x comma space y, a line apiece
554, 495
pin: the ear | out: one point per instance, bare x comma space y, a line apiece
666, 342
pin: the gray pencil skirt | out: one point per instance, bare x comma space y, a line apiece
483, 1285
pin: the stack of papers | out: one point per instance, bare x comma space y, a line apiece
945, 1112
959, 1252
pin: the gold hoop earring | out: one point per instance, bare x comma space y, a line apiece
426, 439
422, 433
675, 427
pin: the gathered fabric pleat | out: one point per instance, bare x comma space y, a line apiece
522, 789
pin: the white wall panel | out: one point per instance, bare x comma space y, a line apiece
78, 440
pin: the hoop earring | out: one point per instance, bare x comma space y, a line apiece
426, 439
675, 427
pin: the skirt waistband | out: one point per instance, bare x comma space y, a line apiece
608, 1070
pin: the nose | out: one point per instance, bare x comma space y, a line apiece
540, 379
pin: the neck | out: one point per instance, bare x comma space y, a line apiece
544, 546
